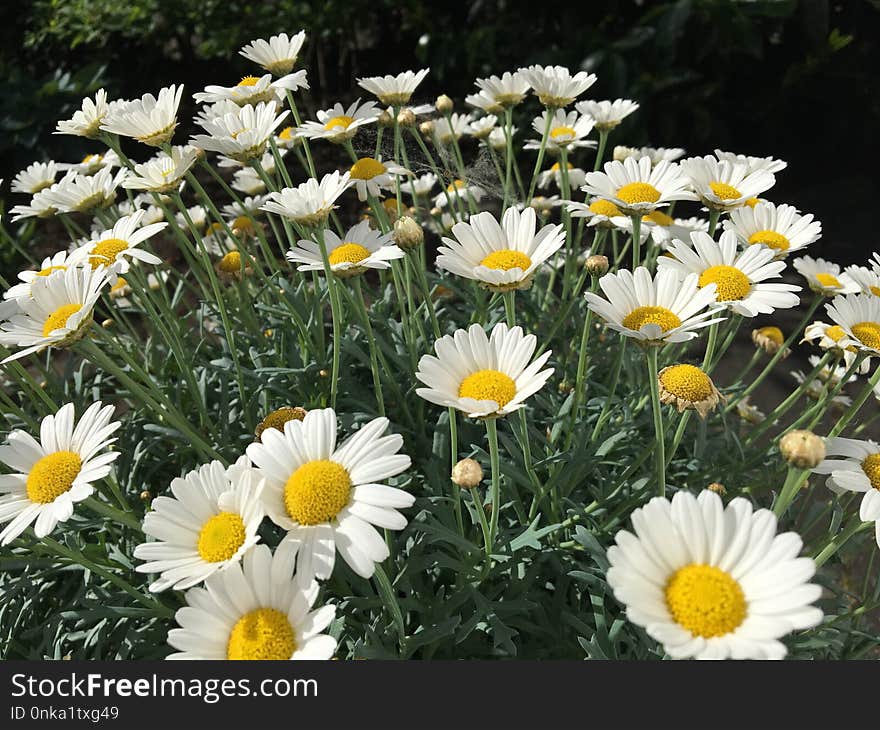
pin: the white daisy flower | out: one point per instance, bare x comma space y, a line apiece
818, 390
497, 138
144, 202
484, 377
150, 120
824, 277
249, 206
567, 131
867, 279
253, 90
598, 212
753, 164
113, 249
485, 103
723, 185
393, 90
362, 248
711, 582
339, 124
49, 476
655, 311
57, 262
328, 498
555, 86
656, 154
543, 204
780, 227
421, 185
447, 129
832, 337
859, 317
243, 134
86, 121
665, 229
277, 55
248, 181
576, 177
92, 163
42, 205
505, 91
740, 278
459, 189
501, 257
637, 188
832, 374
163, 173
198, 214
35, 177
208, 525
309, 203
76, 193
481, 128
370, 175
254, 610
749, 412
209, 112
607, 115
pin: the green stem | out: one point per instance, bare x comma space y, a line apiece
659, 431
371, 340
494, 458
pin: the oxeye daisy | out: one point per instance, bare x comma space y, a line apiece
360, 249
753, 164
687, 387
484, 377
86, 121
555, 86
277, 418
339, 124
824, 277
740, 278
485, 103
76, 193
309, 203
832, 337
49, 476
57, 262
576, 176
637, 188
606, 115
248, 181
655, 154
420, 185
243, 134
655, 311
371, 175
769, 339
447, 129
256, 610
164, 172
711, 582
818, 388
497, 139
208, 525
459, 190
501, 257
598, 212
278, 54
723, 185
92, 163
393, 90
210, 112
867, 279
42, 205
150, 119
253, 90
859, 317
781, 227
665, 229
505, 91
328, 498
565, 131
749, 413
35, 177
481, 128
113, 249
58, 313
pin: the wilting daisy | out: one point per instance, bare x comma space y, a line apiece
655, 311
339, 124
113, 249
555, 86
58, 313
150, 119
164, 172
637, 188
688, 388
780, 227
255, 610
607, 114
867, 279
329, 498
253, 90
371, 175
86, 121
393, 90
723, 185
566, 131
859, 317
854, 466
243, 134
361, 248
76, 193
501, 257
278, 54
655, 154
753, 164
769, 339
712, 582
824, 277
57, 262
485, 377
447, 129
818, 390
740, 278
35, 177
506, 90
576, 176
208, 525
49, 476
459, 190
309, 203
749, 412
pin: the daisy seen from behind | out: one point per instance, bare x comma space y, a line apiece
277, 55
393, 90
309, 203
150, 119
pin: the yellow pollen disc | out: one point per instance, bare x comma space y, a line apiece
230, 263
835, 333
353, 253
488, 385
88, 159
242, 223
366, 168
774, 334
59, 318
658, 218
277, 418
118, 286
317, 491
687, 382
50, 269
871, 467
771, 239
286, 134
506, 259
104, 253
724, 191
555, 167
751, 202
875, 290
732, 284
249, 81
221, 537
340, 122
562, 132
52, 476
455, 185
662, 317
638, 192
705, 600
829, 281
605, 207
868, 333
264, 633
214, 228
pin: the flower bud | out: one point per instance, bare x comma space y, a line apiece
769, 339
443, 104
596, 265
406, 118
385, 120
408, 234
467, 473
802, 449
426, 128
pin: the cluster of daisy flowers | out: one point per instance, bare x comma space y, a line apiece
252, 542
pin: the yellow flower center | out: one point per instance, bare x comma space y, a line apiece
277, 418
771, 239
488, 385
455, 185
118, 286
89, 159
605, 207
105, 252
751, 202
871, 467
366, 168
658, 218
353, 253
731, 283
868, 333
562, 132
249, 81
506, 259
243, 223
829, 281
724, 191
340, 122
774, 334
221, 537
835, 333
662, 317
59, 317
317, 492
51, 269
555, 167
705, 600
264, 633
286, 134
52, 476
687, 382
230, 263
638, 192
